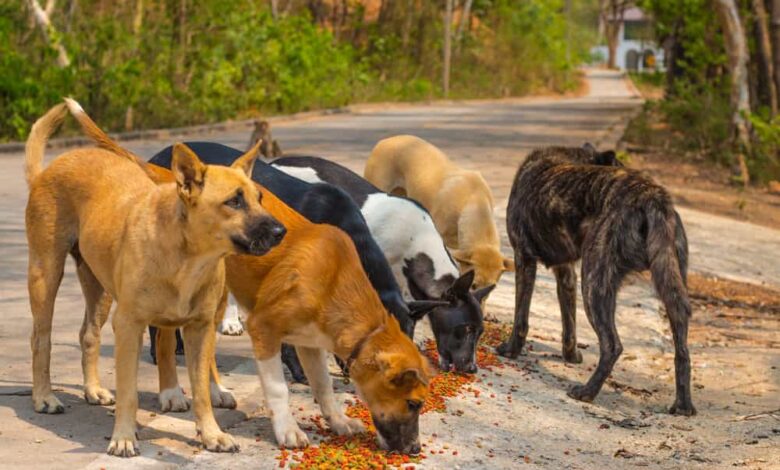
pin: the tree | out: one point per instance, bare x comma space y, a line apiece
737, 50
612, 12
51, 35
447, 48
775, 38
765, 51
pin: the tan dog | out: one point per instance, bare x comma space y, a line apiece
311, 291
460, 201
157, 249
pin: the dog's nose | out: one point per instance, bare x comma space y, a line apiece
414, 449
278, 232
470, 368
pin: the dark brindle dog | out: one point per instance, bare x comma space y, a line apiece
572, 203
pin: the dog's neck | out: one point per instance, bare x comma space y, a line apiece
476, 226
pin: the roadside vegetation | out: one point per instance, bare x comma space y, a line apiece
161, 63
718, 98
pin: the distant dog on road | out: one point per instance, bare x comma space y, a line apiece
460, 201
157, 250
572, 203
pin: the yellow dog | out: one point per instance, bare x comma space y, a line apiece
460, 201
156, 249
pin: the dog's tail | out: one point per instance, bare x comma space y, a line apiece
39, 136
667, 249
105, 142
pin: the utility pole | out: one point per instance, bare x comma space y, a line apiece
447, 48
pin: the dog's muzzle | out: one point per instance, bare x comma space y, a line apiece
398, 436
261, 235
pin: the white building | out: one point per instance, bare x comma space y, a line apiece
636, 46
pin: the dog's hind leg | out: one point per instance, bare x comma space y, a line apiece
668, 265
97, 307
171, 396
315, 364
44, 274
600, 282
566, 283
525, 277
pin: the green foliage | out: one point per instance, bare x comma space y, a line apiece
230, 59
765, 163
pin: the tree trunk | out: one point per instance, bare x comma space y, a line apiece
736, 47
138, 19
447, 48
50, 34
765, 50
775, 37
406, 32
275, 9
612, 12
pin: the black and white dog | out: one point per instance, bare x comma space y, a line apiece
424, 269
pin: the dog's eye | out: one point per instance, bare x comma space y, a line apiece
236, 202
414, 405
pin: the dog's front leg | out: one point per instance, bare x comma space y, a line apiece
171, 396
525, 277
199, 338
277, 399
129, 335
315, 365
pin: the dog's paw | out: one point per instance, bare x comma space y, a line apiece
291, 436
98, 396
345, 426
219, 442
573, 356
48, 405
173, 399
682, 409
231, 327
507, 349
123, 446
221, 397
581, 393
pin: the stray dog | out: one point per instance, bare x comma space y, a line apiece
157, 249
405, 232
269, 148
323, 203
459, 201
572, 203
311, 291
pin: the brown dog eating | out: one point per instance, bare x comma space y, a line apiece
158, 250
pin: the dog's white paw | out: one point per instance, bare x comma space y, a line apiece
290, 436
173, 399
345, 426
123, 446
98, 396
219, 442
231, 324
49, 404
221, 397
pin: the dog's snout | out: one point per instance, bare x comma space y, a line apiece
470, 368
414, 449
278, 232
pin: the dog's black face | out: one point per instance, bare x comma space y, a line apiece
458, 326
594, 157
260, 234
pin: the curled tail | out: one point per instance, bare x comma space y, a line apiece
105, 142
667, 250
39, 136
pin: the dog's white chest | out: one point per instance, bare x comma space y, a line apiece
310, 336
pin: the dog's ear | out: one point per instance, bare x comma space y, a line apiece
419, 308
188, 171
480, 294
246, 162
462, 256
608, 158
509, 265
408, 378
462, 285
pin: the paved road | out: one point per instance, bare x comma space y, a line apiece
492, 136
